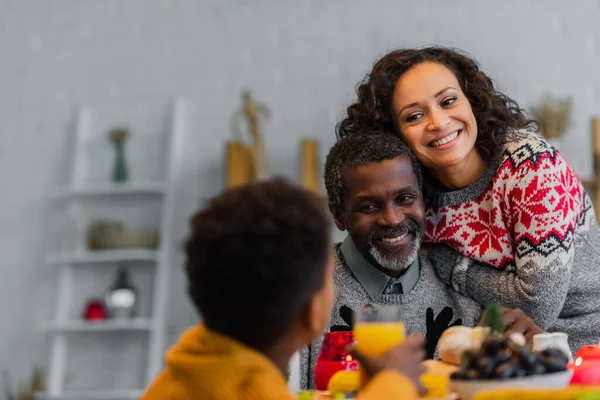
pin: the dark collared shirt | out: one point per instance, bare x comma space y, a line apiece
376, 282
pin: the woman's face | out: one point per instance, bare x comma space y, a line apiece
434, 117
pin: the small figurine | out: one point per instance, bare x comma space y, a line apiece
252, 112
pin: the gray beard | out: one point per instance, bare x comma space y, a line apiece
397, 264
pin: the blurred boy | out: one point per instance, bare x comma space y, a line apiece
259, 268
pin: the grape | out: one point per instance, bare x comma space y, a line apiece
553, 364
537, 369
469, 359
519, 371
553, 352
472, 374
485, 366
459, 375
501, 358
527, 358
491, 346
504, 371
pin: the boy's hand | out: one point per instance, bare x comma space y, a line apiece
405, 358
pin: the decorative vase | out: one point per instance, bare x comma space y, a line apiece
120, 168
120, 171
237, 162
121, 298
309, 166
554, 116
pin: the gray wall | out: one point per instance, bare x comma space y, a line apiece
301, 58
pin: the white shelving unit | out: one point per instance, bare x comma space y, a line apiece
103, 257
135, 188
153, 327
95, 395
136, 324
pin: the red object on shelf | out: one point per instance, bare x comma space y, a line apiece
95, 310
333, 358
586, 367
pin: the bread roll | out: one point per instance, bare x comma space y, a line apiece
457, 339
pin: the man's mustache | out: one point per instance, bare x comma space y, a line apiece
408, 227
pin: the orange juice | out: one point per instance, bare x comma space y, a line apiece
375, 338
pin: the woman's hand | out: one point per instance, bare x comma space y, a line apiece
516, 321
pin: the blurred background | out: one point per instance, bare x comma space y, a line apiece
174, 72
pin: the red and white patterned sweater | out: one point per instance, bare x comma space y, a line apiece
525, 216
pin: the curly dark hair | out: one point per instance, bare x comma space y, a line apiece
360, 150
255, 257
497, 116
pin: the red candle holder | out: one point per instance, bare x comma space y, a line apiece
95, 310
333, 358
586, 367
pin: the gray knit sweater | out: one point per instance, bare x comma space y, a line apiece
526, 237
429, 308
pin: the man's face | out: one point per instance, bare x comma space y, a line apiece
383, 212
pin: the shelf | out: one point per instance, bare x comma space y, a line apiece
110, 325
93, 395
103, 257
112, 189
82, 200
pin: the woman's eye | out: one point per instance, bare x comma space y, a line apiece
448, 101
413, 117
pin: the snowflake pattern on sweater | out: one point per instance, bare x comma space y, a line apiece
531, 209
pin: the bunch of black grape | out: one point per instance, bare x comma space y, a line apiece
501, 358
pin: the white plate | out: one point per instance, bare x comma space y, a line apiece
466, 390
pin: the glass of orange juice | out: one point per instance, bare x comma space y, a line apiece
377, 330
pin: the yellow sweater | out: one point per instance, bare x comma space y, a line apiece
208, 366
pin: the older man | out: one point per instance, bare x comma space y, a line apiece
374, 190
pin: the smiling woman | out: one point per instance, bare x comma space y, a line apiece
438, 125
502, 198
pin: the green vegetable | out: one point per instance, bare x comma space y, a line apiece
492, 317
